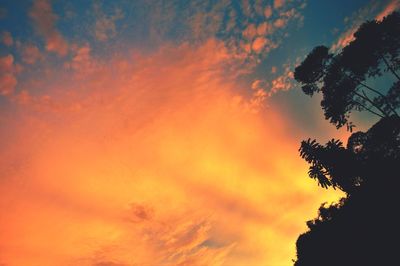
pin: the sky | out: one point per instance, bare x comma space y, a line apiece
162, 132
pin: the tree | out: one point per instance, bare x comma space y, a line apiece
362, 228
332, 164
343, 77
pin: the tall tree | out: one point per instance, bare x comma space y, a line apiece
343, 77
361, 229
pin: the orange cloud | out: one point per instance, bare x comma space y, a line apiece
280, 23
250, 32
105, 25
82, 62
345, 39
44, 21
264, 28
30, 54
143, 160
8, 80
280, 84
258, 44
389, 8
278, 3
7, 39
348, 36
268, 12
264, 89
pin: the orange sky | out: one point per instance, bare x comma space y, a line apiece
143, 133
171, 166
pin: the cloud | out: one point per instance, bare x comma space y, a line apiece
258, 8
268, 11
143, 160
258, 44
7, 39
7, 83
264, 28
200, 21
283, 82
250, 32
264, 89
280, 23
278, 3
291, 13
8, 80
344, 39
140, 213
207, 21
81, 62
392, 5
105, 27
45, 20
374, 10
232, 20
259, 36
30, 54
108, 263
280, 84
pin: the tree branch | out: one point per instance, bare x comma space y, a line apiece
369, 109
371, 102
390, 67
372, 89
380, 94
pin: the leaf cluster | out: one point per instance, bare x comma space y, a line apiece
330, 164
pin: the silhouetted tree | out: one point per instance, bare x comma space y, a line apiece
343, 77
331, 164
363, 228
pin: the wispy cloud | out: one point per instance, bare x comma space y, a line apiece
140, 156
147, 146
45, 20
30, 53
263, 89
105, 27
7, 39
82, 62
391, 6
8, 79
268, 11
374, 10
250, 29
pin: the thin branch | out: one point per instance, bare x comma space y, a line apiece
369, 109
369, 100
376, 91
390, 67
372, 89
372, 103
380, 94
365, 95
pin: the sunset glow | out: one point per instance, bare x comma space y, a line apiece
120, 151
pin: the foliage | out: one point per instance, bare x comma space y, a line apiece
362, 227
331, 164
343, 77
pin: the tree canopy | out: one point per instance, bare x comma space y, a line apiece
362, 228
343, 77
